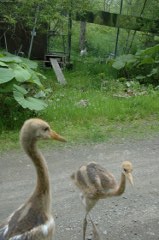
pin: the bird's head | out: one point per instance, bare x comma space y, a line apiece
127, 170
35, 128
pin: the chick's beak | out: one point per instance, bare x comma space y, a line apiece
130, 178
56, 136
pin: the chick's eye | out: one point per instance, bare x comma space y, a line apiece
125, 170
46, 129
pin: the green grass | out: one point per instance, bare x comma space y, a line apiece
104, 118
102, 115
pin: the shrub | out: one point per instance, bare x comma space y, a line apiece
143, 66
21, 90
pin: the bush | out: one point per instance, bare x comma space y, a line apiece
21, 90
143, 66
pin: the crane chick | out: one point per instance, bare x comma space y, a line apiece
33, 219
95, 182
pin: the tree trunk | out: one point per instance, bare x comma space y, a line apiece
82, 41
69, 34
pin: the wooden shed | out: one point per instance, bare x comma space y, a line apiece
17, 39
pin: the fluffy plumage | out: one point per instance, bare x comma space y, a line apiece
95, 182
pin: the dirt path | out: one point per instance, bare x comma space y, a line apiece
133, 216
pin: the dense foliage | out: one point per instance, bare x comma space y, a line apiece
142, 66
50, 10
20, 87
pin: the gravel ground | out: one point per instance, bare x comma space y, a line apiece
132, 216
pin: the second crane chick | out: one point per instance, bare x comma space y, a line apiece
95, 182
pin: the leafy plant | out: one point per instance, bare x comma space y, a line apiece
143, 66
19, 80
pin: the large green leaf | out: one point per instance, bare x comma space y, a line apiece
148, 51
147, 60
151, 50
126, 58
6, 75
2, 64
34, 78
13, 58
118, 65
27, 102
122, 60
20, 90
21, 74
30, 63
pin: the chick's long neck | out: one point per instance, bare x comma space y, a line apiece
122, 185
119, 189
42, 190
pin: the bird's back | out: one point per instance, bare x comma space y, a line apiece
94, 180
27, 223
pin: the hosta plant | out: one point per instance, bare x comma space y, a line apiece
20, 81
